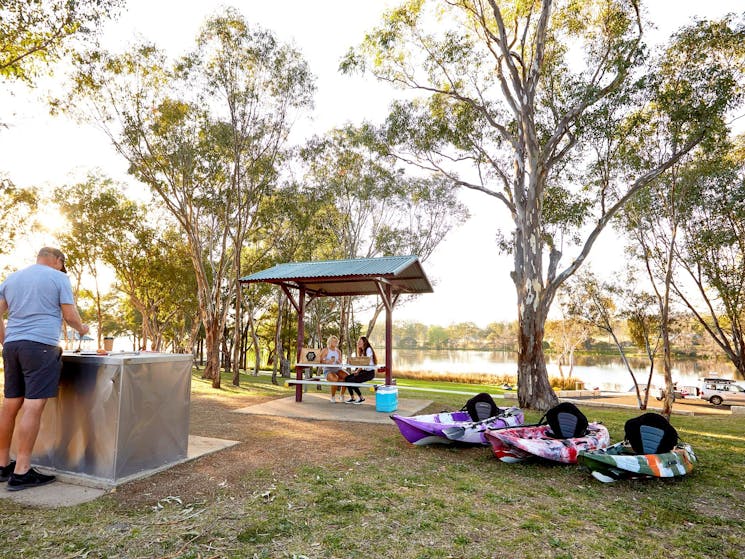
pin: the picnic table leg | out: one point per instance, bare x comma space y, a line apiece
298, 387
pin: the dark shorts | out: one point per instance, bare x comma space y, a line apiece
32, 370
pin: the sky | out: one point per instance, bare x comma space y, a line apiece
471, 279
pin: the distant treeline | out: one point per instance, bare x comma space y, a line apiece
502, 336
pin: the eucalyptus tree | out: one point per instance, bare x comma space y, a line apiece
511, 92
644, 324
292, 225
655, 218
206, 133
90, 209
379, 209
16, 213
600, 304
33, 34
566, 334
153, 269
710, 255
149, 258
652, 223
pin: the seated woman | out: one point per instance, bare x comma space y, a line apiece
331, 355
362, 375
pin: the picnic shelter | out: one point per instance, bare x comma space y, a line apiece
388, 277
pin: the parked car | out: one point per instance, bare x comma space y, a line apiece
677, 393
723, 393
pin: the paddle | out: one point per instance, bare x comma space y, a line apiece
457, 431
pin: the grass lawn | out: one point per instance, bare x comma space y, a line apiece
297, 488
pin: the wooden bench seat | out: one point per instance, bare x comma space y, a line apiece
372, 384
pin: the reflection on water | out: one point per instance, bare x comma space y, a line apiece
604, 371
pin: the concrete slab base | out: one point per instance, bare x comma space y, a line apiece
71, 489
55, 495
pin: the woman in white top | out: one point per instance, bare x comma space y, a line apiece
331, 355
364, 349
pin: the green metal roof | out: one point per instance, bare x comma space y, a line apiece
359, 276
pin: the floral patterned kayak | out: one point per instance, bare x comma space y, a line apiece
619, 462
521, 443
454, 427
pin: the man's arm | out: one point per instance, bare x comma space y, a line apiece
3, 310
71, 316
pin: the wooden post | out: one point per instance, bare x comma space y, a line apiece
388, 336
300, 339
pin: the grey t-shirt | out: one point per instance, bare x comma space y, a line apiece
34, 296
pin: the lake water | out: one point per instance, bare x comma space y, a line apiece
604, 371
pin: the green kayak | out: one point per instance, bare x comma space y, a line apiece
619, 462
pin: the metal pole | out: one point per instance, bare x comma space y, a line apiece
388, 336
300, 338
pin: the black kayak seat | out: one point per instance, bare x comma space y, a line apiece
650, 433
481, 406
566, 421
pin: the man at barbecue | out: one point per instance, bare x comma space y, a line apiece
36, 300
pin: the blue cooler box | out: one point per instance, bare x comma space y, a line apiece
386, 399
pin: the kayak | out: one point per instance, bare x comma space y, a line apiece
454, 427
520, 443
619, 462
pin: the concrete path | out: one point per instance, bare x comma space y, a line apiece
625, 400
682, 406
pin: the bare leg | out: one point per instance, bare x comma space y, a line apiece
333, 378
28, 429
8, 414
342, 377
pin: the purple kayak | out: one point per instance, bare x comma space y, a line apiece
452, 427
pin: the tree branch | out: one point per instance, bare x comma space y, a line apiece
640, 183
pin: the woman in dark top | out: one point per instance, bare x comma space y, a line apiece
361, 375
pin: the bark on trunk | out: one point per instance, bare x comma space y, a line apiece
667, 364
628, 368
255, 338
278, 337
379, 308
237, 334
212, 347
533, 388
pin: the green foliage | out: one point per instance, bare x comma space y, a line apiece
594, 301
16, 214
37, 32
375, 208
148, 255
207, 134
507, 109
437, 337
641, 312
711, 209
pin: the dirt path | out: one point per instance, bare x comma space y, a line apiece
267, 444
